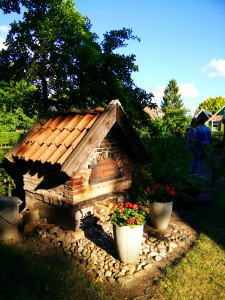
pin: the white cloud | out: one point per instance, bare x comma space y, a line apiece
215, 68
2, 46
158, 93
186, 90
4, 29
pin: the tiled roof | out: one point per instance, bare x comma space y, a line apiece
69, 139
55, 138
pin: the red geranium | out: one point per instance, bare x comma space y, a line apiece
127, 214
160, 193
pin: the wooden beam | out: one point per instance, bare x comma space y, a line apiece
131, 136
90, 142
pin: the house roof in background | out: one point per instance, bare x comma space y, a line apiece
207, 113
68, 139
216, 114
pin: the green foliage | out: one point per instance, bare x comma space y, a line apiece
176, 121
169, 162
10, 137
212, 104
7, 184
192, 185
19, 97
169, 159
216, 162
12, 120
53, 49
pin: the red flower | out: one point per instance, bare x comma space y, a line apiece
135, 207
156, 186
121, 211
172, 193
138, 220
130, 221
129, 204
120, 205
148, 189
167, 187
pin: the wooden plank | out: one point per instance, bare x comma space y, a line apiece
130, 134
92, 139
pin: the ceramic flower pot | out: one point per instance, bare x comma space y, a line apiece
160, 214
128, 242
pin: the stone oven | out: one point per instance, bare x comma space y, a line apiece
73, 161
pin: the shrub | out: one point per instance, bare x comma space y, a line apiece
7, 184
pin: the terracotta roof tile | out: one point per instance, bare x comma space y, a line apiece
73, 123
70, 138
55, 137
84, 122
38, 154
78, 139
50, 150
50, 139
56, 122
24, 149
65, 155
57, 154
64, 122
42, 137
61, 137
31, 151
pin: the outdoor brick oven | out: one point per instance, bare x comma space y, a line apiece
75, 160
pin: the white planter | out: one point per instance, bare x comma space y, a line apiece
128, 242
160, 214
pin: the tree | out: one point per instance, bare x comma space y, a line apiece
212, 104
54, 49
19, 94
174, 112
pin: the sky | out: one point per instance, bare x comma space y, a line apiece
182, 40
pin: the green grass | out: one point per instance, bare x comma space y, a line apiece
201, 273
30, 276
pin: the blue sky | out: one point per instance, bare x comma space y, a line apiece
180, 39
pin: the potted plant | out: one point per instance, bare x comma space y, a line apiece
161, 199
128, 221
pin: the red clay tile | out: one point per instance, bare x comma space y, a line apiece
84, 122
41, 139
50, 139
73, 123
65, 121
19, 149
57, 154
48, 153
70, 138
46, 123
56, 122
23, 150
32, 150
78, 139
38, 154
61, 137
65, 156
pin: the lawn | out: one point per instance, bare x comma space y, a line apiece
201, 273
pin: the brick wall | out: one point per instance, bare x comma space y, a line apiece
46, 183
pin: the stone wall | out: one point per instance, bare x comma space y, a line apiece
46, 184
